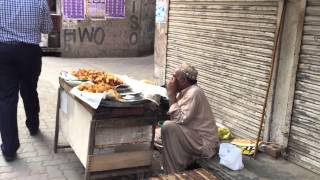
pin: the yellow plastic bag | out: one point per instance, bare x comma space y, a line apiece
224, 133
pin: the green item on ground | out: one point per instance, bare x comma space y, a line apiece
224, 133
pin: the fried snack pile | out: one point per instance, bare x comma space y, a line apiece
103, 82
100, 88
95, 88
97, 77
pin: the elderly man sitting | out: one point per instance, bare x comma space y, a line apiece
191, 133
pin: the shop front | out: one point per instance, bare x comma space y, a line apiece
304, 139
232, 44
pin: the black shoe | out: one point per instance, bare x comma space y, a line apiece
8, 157
33, 126
34, 132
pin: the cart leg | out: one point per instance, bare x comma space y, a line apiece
153, 135
140, 176
56, 134
87, 175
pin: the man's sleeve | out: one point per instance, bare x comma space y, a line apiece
46, 25
184, 110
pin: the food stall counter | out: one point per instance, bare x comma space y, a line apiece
115, 138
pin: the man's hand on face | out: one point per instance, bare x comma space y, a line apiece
172, 89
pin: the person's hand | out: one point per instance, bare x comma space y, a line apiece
172, 90
172, 87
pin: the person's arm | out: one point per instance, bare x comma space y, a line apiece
46, 25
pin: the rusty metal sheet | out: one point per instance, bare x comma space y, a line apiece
230, 42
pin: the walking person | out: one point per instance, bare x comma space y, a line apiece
21, 25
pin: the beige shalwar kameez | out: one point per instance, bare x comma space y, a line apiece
191, 133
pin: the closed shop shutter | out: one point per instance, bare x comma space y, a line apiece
304, 141
231, 44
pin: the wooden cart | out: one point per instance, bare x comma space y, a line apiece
115, 139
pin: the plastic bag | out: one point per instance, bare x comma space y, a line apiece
224, 133
230, 156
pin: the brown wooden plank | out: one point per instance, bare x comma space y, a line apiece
194, 175
119, 160
127, 122
197, 174
206, 174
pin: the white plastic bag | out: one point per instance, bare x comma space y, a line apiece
230, 156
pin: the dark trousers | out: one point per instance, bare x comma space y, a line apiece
20, 67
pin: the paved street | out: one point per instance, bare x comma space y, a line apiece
36, 159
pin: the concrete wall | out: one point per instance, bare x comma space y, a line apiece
286, 75
160, 49
130, 36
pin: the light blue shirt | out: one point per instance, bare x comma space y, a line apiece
24, 20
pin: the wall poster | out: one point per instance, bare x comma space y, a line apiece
96, 9
74, 9
115, 8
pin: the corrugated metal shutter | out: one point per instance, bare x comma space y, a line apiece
230, 42
304, 141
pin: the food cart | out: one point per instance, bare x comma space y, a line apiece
114, 139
